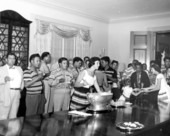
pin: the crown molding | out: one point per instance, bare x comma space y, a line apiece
137, 18
68, 10
60, 22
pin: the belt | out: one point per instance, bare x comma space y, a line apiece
15, 88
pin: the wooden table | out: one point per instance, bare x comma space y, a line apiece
155, 117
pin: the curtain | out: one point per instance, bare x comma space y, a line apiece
79, 47
86, 48
56, 47
62, 41
69, 48
43, 43
83, 48
43, 27
85, 35
63, 31
43, 37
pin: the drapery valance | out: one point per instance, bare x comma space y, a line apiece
46, 27
43, 27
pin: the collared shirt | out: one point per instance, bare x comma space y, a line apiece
15, 77
35, 88
68, 76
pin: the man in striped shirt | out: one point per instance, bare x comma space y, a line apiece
111, 76
110, 72
33, 83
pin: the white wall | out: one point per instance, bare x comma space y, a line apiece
99, 30
119, 36
114, 37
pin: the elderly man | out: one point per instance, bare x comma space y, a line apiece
10, 86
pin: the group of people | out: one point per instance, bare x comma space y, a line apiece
65, 84
61, 86
140, 80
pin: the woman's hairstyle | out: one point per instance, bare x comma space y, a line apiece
156, 67
93, 60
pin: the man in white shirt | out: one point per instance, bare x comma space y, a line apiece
11, 84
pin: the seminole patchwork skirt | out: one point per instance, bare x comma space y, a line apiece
79, 99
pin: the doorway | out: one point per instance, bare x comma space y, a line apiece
162, 47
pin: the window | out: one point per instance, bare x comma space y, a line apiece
62, 41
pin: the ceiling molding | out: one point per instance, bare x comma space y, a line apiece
68, 10
59, 22
137, 18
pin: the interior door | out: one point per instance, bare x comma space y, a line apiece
140, 48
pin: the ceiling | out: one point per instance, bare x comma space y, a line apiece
112, 10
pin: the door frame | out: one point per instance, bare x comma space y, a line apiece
151, 34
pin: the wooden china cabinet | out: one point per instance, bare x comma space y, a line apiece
14, 36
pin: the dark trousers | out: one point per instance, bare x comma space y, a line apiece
35, 104
116, 93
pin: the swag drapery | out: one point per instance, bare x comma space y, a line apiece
62, 40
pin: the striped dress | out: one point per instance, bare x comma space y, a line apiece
164, 92
79, 98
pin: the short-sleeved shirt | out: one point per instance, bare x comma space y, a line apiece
68, 76
111, 73
35, 88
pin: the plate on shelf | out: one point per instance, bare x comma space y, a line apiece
129, 126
